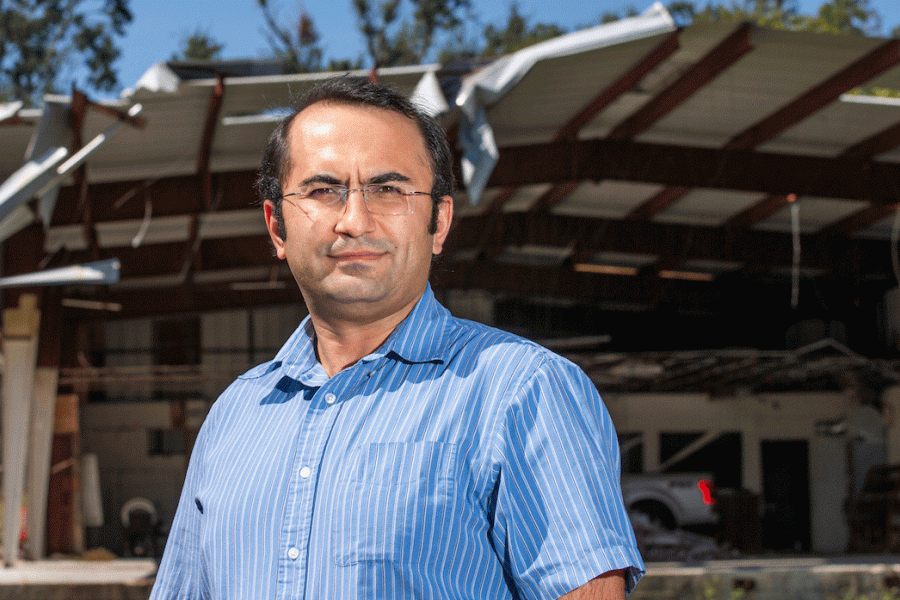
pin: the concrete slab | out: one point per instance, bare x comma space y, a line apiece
783, 578
123, 579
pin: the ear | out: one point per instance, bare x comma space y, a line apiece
274, 229
444, 219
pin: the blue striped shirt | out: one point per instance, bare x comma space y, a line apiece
456, 461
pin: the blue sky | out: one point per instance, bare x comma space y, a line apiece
159, 25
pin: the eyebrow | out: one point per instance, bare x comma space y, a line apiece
331, 180
390, 176
320, 178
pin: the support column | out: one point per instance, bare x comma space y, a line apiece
42, 420
20, 330
38, 482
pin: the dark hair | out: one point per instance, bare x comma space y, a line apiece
355, 91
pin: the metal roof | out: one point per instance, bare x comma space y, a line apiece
670, 150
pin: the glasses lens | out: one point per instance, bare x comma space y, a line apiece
386, 199
322, 195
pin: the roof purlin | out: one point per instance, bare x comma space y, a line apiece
871, 65
883, 141
742, 170
558, 192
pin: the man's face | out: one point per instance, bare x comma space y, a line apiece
350, 263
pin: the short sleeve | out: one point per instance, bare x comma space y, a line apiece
559, 519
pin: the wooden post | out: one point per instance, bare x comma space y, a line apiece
20, 329
43, 412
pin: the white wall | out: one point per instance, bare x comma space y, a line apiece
757, 418
118, 432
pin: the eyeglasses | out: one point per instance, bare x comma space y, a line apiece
380, 198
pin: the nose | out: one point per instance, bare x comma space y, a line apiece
355, 219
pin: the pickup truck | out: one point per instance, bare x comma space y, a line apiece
671, 499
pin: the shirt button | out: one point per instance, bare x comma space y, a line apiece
330, 398
305, 472
293, 553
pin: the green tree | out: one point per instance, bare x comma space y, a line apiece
842, 16
393, 40
517, 34
43, 41
853, 17
199, 45
610, 16
297, 46
839, 17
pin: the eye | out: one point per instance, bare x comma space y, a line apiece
321, 192
386, 190
324, 194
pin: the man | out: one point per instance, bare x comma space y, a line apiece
390, 450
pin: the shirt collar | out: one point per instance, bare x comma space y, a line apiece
421, 337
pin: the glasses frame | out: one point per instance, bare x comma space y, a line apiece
345, 195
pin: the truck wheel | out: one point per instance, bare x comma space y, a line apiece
657, 512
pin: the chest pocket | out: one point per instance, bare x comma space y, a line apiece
398, 501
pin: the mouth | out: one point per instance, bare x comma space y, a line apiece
357, 256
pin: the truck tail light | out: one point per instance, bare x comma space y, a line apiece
706, 488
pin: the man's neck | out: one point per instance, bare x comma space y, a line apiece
341, 343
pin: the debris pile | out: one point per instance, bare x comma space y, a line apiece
656, 543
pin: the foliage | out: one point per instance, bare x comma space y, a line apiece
839, 17
884, 594
344, 64
297, 47
392, 40
199, 45
714, 589
41, 41
836, 16
609, 17
518, 34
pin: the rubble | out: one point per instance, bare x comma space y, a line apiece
656, 543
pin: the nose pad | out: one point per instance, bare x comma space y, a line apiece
355, 217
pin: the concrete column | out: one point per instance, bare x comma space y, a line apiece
751, 476
20, 329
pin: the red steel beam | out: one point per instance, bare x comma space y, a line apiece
871, 65
206, 141
626, 82
78, 110
879, 143
670, 165
862, 219
658, 203
760, 211
555, 195
203, 173
570, 130
720, 58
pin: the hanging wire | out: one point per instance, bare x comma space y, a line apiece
795, 269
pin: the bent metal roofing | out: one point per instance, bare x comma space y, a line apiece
677, 152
